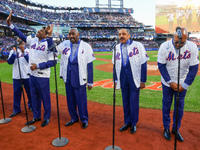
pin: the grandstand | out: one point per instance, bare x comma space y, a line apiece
97, 26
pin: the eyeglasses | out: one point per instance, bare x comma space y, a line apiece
176, 42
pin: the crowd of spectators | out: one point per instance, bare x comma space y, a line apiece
5, 46
18, 24
69, 18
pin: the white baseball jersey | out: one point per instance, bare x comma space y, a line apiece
170, 17
137, 56
85, 56
179, 14
23, 65
167, 54
198, 13
38, 54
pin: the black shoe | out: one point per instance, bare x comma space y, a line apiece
179, 137
133, 129
70, 123
14, 114
33, 121
84, 125
124, 127
31, 109
45, 122
167, 134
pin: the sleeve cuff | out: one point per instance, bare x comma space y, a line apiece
11, 26
90, 84
38, 66
169, 81
185, 86
14, 52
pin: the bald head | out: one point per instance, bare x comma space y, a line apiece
183, 40
73, 35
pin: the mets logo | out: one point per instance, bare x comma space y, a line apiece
65, 51
118, 56
133, 52
40, 48
18, 56
185, 55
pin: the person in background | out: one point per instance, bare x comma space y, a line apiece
22, 54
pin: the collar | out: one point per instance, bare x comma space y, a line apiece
77, 42
43, 40
127, 43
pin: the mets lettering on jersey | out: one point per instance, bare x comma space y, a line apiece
134, 52
65, 51
39, 54
185, 55
85, 56
168, 55
137, 57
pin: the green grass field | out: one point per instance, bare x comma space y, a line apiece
162, 20
148, 98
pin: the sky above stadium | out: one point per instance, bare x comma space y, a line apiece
144, 10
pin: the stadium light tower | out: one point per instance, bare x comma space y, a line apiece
111, 4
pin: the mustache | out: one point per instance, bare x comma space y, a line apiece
122, 39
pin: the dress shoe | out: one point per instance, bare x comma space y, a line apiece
167, 134
179, 137
70, 123
124, 127
45, 122
33, 121
133, 129
14, 114
84, 125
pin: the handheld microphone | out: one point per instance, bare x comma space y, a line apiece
178, 30
114, 44
52, 47
16, 44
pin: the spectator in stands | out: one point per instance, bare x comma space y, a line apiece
131, 75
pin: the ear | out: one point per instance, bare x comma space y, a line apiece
129, 36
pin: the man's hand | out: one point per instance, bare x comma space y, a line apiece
142, 85
9, 19
49, 30
21, 47
173, 85
181, 89
89, 87
33, 66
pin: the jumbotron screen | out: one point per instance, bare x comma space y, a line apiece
173, 13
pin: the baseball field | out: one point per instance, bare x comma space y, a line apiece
162, 23
98, 135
